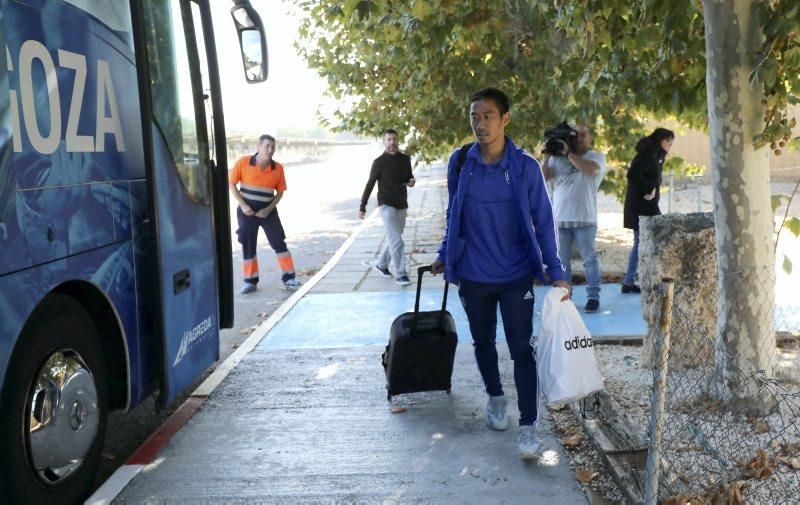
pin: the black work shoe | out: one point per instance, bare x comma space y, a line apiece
630, 288
592, 306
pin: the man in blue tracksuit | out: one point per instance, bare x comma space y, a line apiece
500, 235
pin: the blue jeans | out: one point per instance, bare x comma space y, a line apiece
584, 237
633, 260
515, 298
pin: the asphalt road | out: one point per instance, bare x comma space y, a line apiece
318, 212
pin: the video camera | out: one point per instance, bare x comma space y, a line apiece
560, 132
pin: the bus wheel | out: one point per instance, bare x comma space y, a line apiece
54, 406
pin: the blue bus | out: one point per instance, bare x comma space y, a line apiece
115, 250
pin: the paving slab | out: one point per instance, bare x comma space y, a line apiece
364, 318
313, 426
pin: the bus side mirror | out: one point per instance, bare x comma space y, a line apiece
252, 41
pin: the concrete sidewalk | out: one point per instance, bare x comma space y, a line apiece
303, 417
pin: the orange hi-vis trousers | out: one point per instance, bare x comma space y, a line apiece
248, 237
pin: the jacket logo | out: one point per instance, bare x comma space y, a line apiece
528, 296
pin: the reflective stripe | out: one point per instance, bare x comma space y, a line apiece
250, 268
285, 262
543, 182
256, 198
256, 193
257, 189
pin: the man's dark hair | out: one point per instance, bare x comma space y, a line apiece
391, 131
495, 94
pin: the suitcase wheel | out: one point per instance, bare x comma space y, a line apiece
388, 397
448, 391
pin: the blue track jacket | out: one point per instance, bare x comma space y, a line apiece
535, 211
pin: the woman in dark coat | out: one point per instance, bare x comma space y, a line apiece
642, 194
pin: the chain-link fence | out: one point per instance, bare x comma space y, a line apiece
725, 413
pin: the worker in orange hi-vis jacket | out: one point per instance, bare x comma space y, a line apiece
261, 183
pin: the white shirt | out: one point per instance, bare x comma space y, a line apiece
574, 192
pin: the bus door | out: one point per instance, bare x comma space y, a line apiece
180, 182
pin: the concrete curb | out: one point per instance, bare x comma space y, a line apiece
147, 452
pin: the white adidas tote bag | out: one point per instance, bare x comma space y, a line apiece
565, 359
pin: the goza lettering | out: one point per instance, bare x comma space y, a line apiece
33, 53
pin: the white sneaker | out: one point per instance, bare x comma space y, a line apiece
247, 288
528, 444
496, 417
291, 284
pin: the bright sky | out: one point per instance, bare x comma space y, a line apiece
292, 93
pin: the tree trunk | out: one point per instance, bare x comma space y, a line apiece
742, 211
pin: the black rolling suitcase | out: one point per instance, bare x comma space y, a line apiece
421, 349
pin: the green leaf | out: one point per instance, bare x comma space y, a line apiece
793, 225
364, 7
777, 200
349, 6
769, 72
787, 264
792, 57
421, 9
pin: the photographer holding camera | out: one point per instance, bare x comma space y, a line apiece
576, 172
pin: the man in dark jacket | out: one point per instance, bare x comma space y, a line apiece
392, 171
500, 235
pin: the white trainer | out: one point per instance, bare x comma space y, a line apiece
496, 417
291, 284
528, 444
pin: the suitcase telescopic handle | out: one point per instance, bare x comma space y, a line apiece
421, 270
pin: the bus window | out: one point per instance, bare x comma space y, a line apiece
200, 37
116, 15
171, 89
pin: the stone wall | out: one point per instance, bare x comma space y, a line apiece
681, 247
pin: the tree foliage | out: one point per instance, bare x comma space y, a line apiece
612, 64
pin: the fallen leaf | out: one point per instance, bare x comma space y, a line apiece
762, 426
235, 345
571, 441
759, 466
398, 410
795, 463
245, 331
263, 314
585, 475
735, 493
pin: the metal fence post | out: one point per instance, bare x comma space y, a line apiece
665, 289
